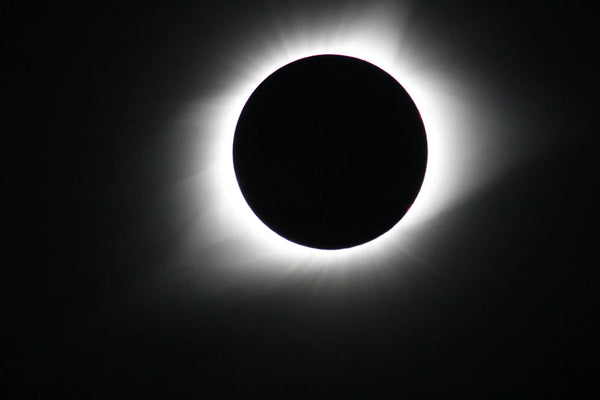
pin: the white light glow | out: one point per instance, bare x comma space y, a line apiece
223, 224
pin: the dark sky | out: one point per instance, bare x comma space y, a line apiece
95, 307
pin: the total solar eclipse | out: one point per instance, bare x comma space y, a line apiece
330, 152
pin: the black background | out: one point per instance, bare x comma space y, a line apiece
505, 307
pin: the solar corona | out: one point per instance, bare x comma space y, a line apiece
320, 194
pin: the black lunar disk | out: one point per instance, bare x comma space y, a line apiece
330, 152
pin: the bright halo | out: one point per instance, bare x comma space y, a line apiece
225, 227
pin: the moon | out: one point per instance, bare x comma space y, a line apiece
330, 152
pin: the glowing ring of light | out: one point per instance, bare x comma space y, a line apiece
227, 222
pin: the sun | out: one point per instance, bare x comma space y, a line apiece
224, 223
